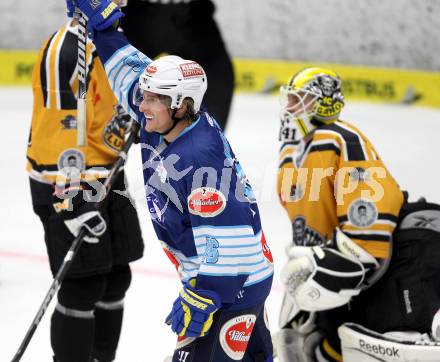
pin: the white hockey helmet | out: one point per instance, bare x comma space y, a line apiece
177, 78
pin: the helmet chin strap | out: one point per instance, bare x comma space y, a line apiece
175, 121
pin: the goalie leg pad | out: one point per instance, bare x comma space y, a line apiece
360, 344
288, 311
293, 346
298, 342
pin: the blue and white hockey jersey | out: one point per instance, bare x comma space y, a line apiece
203, 209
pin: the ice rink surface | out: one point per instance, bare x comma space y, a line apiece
406, 137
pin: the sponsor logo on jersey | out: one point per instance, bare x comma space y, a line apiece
69, 122
71, 163
115, 130
362, 213
206, 202
235, 334
190, 70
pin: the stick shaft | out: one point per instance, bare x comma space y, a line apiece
82, 79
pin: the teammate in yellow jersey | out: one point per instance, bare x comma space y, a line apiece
87, 320
344, 206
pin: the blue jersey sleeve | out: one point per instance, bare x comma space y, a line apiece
123, 64
226, 226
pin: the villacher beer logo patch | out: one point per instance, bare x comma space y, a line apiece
235, 335
206, 202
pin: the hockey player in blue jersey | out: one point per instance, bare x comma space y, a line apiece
203, 209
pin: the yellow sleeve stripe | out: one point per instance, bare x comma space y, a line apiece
53, 66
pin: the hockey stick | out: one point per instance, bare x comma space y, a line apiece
82, 78
74, 248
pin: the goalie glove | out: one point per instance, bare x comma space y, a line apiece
77, 212
193, 311
321, 278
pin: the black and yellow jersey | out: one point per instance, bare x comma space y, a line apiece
52, 148
333, 178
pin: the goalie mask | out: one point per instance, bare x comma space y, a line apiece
174, 77
311, 98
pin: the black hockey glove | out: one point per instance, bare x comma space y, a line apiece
78, 210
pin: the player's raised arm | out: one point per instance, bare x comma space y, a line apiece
123, 63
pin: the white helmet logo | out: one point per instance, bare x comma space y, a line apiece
151, 69
191, 70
